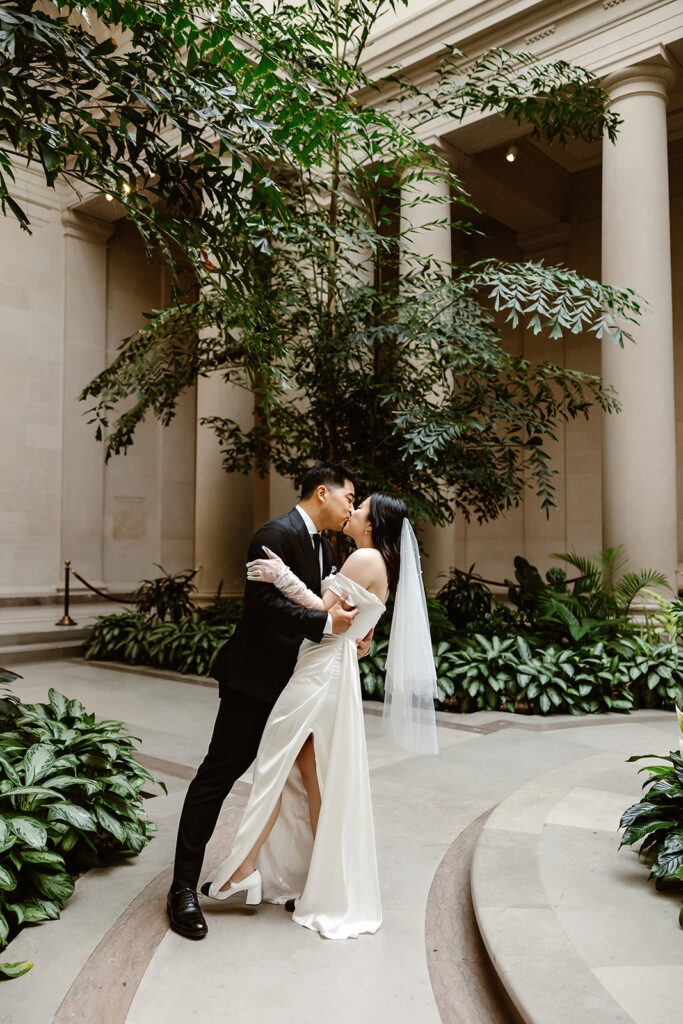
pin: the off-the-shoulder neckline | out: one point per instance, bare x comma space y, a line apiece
364, 589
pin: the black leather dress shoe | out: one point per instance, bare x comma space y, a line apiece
184, 913
290, 906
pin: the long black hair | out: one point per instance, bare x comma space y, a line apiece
386, 517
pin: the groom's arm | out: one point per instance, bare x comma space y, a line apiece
267, 604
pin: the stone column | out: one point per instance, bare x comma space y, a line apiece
544, 535
639, 443
223, 501
423, 202
85, 343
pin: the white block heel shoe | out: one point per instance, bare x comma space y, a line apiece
251, 885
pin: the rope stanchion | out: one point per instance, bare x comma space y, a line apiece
103, 593
497, 583
66, 619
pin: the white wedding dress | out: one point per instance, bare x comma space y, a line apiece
334, 880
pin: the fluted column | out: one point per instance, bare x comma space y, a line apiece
85, 345
639, 443
422, 203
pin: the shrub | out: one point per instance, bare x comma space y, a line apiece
70, 791
187, 646
167, 595
657, 820
508, 673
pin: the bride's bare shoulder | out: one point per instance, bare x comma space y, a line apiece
364, 557
364, 566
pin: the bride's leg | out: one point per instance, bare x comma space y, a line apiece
248, 865
306, 762
309, 777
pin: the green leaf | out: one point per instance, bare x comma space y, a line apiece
7, 879
42, 857
31, 831
54, 885
38, 761
58, 703
15, 970
73, 815
110, 824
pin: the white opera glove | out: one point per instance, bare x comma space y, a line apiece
273, 570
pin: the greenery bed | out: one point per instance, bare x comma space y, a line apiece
560, 645
167, 629
70, 796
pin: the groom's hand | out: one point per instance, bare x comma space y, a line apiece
341, 619
364, 645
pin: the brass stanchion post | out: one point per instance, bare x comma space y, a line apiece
66, 619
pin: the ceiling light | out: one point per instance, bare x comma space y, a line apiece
511, 154
109, 197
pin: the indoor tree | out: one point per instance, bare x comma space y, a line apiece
355, 346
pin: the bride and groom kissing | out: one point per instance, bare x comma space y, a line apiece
290, 701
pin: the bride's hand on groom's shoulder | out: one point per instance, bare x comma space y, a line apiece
266, 570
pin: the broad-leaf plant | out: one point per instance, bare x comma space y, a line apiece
70, 792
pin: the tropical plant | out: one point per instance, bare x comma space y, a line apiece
592, 606
522, 674
169, 595
221, 610
479, 675
657, 820
608, 575
187, 646
411, 382
668, 620
70, 792
467, 603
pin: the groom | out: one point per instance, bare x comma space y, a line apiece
254, 666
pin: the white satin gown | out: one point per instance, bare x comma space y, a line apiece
334, 880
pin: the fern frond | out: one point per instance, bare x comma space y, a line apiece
613, 562
631, 584
586, 566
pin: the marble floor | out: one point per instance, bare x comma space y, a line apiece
112, 959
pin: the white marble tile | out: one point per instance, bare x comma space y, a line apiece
627, 732
589, 808
651, 995
265, 968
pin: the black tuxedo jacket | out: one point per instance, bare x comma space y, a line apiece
261, 654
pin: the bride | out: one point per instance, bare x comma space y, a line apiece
307, 834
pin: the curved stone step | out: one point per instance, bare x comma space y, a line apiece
466, 987
572, 927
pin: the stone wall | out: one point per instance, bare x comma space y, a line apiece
31, 370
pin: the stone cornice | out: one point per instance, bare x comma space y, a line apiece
549, 26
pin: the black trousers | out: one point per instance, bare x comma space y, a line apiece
236, 735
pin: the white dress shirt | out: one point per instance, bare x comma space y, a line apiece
312, 528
